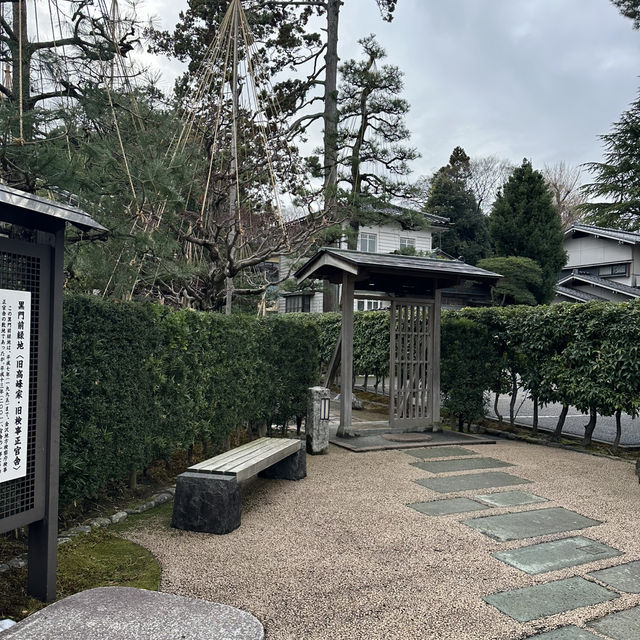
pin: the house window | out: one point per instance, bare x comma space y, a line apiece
368, 242
407, 242
613, 270
373, 304
298, 304
360, 305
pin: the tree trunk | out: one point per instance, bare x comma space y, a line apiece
298, 424
496, 410
590, 426
563, 416
616, 442
330, 140
514, 397
460, 423
366, 381
133, 479
20, 68
331, 107
535, 414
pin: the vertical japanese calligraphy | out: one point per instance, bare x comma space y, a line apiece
15, 326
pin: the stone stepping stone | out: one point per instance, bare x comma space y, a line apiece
542, 600
558, 554
509, 498
447, 507
530, 524
463, 464
625, 577
471, 481
624, 625
439, 452
567, 633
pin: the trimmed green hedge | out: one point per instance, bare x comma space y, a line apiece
584, 355
140, 382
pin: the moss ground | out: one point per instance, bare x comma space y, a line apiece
102, 558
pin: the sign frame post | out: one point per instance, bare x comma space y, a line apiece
31, 259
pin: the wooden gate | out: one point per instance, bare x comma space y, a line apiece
411, 377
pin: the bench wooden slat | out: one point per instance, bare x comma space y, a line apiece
263, 452
233, 456
230, 455
248, 460
253, 466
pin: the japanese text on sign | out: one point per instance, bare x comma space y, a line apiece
15, 325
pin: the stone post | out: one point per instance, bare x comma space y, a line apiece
316, 428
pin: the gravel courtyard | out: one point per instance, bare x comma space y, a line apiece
341, 555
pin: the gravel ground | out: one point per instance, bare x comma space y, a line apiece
340, 555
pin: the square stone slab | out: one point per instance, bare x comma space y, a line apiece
530, 524
463, 464
547, 599
510, 498
440, 452
625, 577
447, 507
471, 481
624, 625
558, 554
567, 633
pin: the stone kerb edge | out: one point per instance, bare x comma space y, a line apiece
19, 562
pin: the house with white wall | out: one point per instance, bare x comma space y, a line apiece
602, 264
388, 237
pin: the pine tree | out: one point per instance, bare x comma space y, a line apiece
616, 185
373, 154
450, 196
524, 223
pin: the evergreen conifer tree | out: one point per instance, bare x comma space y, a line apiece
450, 196
616, 186
524, 223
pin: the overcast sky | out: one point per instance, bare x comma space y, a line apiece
516, 78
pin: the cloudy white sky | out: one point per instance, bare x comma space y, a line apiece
516, 78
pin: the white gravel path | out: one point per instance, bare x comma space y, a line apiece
340, 555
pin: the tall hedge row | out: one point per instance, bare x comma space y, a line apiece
582, 355
141, 381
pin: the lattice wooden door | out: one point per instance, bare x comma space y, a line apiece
411, 376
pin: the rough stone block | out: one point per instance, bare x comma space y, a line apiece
208, 503
119, 516
293, 467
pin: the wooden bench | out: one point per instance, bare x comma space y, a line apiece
207, 497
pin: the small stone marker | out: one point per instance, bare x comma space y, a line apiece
555, 555
509, 498
542, 600
530, 524
471, 481
464, 464
624, 625
625, 577
440, 452
567, 633
447, 507
317, 427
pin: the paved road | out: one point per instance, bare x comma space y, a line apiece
548, 417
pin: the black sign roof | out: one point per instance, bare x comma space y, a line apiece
17, 207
